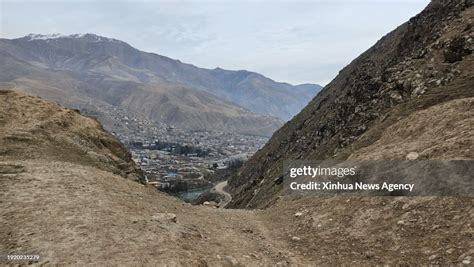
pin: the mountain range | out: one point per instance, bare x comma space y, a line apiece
87, 71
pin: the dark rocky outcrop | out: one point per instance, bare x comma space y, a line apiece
424, 62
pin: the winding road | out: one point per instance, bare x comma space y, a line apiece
219, 189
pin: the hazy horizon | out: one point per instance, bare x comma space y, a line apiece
294, 42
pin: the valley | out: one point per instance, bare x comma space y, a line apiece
100, 143
177, 161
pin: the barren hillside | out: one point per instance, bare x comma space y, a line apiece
412, 92
421, 65
64, 197
33, 129
156, 100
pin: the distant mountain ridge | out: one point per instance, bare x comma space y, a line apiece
101, 55
87, 70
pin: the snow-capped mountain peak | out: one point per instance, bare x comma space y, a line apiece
88, 36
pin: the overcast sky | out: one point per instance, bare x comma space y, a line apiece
290, 41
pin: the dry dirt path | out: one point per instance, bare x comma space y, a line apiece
74, 214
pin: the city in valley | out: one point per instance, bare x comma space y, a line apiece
181, 162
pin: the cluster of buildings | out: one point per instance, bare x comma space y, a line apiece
177, 160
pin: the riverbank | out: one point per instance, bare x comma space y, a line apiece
191, 195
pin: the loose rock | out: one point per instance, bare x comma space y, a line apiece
432, 257
233, 261
412, 156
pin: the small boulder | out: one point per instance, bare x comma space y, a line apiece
466, 260
295, 238
412, 156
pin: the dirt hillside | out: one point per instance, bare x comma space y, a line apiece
64, 195
409, 231
32, 128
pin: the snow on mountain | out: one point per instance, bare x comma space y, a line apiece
90, 36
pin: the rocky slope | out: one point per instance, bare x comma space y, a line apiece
410, 93
421, 67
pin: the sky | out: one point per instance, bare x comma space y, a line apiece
289, 41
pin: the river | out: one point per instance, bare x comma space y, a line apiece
191, 195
